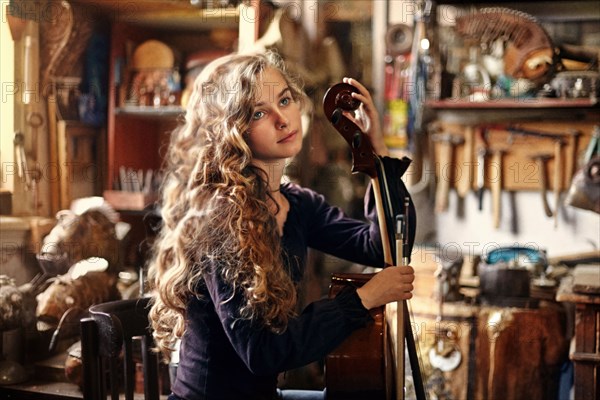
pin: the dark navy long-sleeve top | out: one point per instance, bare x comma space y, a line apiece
225, 357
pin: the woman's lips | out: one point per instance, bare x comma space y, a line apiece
288, 137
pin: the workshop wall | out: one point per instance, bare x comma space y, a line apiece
527, 210
577, 230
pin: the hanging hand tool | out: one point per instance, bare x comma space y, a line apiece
21, 158
496, 186
558, 170
34, 120
559, 163
466, 177
571, 158
514, 217
481, 152
447, 143
541, 160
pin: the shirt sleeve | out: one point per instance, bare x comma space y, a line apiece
331, 231
319, 329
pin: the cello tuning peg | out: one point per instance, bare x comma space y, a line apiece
356, 139
336, 116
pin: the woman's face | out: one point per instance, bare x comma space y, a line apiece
276, 128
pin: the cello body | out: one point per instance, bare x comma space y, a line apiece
361, 367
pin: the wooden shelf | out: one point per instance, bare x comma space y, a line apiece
172, 15
517, 169
193, 20
523, 103
131, 128
150, 112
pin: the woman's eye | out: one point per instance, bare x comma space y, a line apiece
258, 115
285, 101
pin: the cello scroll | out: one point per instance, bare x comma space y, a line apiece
338, 100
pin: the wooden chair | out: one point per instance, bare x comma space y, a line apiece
108, 338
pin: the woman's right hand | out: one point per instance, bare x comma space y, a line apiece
389, 285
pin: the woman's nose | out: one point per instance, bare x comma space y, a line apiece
282, 121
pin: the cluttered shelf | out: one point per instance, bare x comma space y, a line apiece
508, 103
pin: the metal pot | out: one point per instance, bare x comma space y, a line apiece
576, 84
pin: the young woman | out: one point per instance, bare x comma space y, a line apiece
234, 239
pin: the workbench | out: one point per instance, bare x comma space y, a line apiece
586, 356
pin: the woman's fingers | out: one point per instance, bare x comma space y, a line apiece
368, 119
389, 285
363, 94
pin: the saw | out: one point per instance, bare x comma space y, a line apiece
529, 51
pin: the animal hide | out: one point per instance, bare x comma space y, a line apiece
77, 237
65, 293
519, 353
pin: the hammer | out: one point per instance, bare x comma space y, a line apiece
541, 160
447, 143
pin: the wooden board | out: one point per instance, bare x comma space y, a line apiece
519, 170
79, 153
586, 279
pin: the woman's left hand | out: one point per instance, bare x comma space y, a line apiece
371, 124
388, 285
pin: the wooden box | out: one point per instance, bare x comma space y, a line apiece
122, 200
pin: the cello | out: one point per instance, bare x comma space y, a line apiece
362, 366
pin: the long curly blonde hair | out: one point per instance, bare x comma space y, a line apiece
215, 205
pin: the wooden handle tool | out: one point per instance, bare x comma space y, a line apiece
466, 169
496, 187
558, 171
541, 160
447, 142
481, 152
